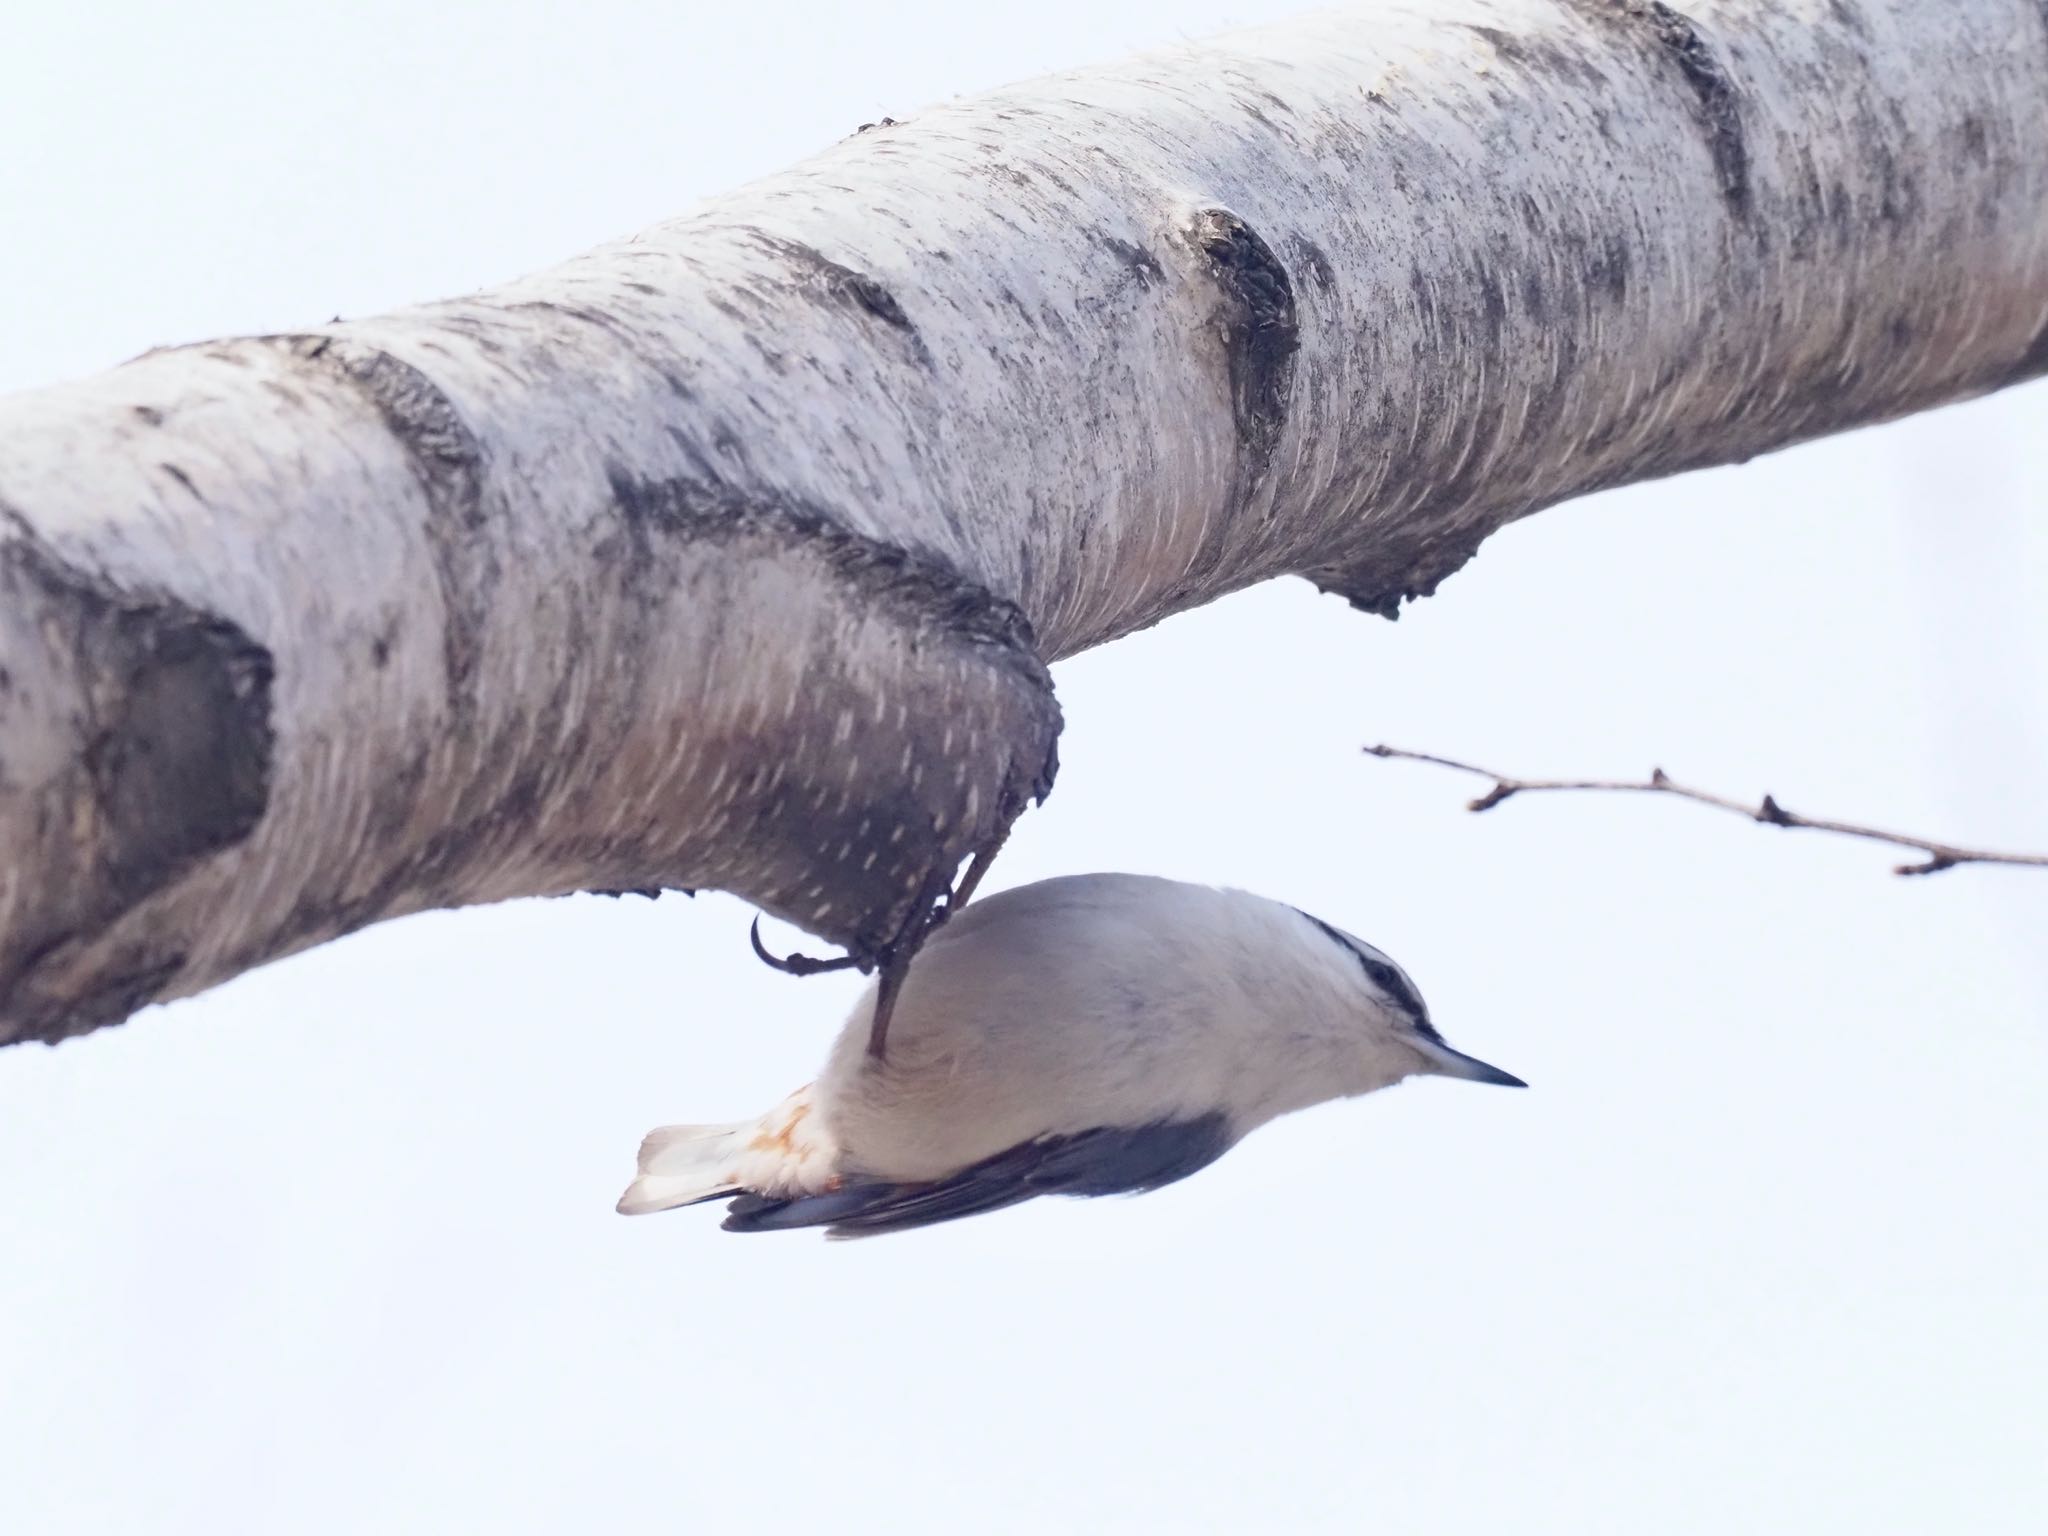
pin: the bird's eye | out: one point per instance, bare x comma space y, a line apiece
1393, 981
1385, 975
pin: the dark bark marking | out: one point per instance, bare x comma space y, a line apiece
1848, 16
448, 461
842, 285
920, 587
598, 319
1509, 47
1066, 187
1538, 55
1022, 310
175, 765
875, 299
1898, 194
1607, 268
1675, 38
1261, 333
1311, 257
1506, 44
1493, 305
1975, 142
1134, 258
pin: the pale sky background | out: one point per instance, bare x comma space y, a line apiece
1765, 1248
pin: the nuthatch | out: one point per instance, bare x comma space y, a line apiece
1090, 1035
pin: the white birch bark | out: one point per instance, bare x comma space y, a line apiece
731, 555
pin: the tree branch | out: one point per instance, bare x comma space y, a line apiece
733, 555
1940, 856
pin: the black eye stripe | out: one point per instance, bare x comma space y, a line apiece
1400, 988
1387, 977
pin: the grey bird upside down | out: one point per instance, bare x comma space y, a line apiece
1089, 1035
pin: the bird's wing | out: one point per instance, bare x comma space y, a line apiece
1109, 1160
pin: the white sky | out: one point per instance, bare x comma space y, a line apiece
1764, 1248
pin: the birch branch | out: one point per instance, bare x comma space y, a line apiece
732, 555
1939, 856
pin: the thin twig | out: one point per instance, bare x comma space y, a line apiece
1940, 856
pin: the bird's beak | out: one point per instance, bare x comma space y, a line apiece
1445, 1062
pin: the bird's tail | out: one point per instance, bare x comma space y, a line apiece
682, 1164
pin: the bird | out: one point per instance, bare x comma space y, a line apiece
1085, 1035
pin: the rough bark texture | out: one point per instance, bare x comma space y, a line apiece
732, 555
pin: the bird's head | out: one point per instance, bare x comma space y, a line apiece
1391, 1014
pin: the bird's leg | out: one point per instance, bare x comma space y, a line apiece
935, 904
929, 916
976, 868
896, 955
885, 1004
895, 962
915, 931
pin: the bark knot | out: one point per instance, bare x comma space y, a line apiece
1260, 329
175, 746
